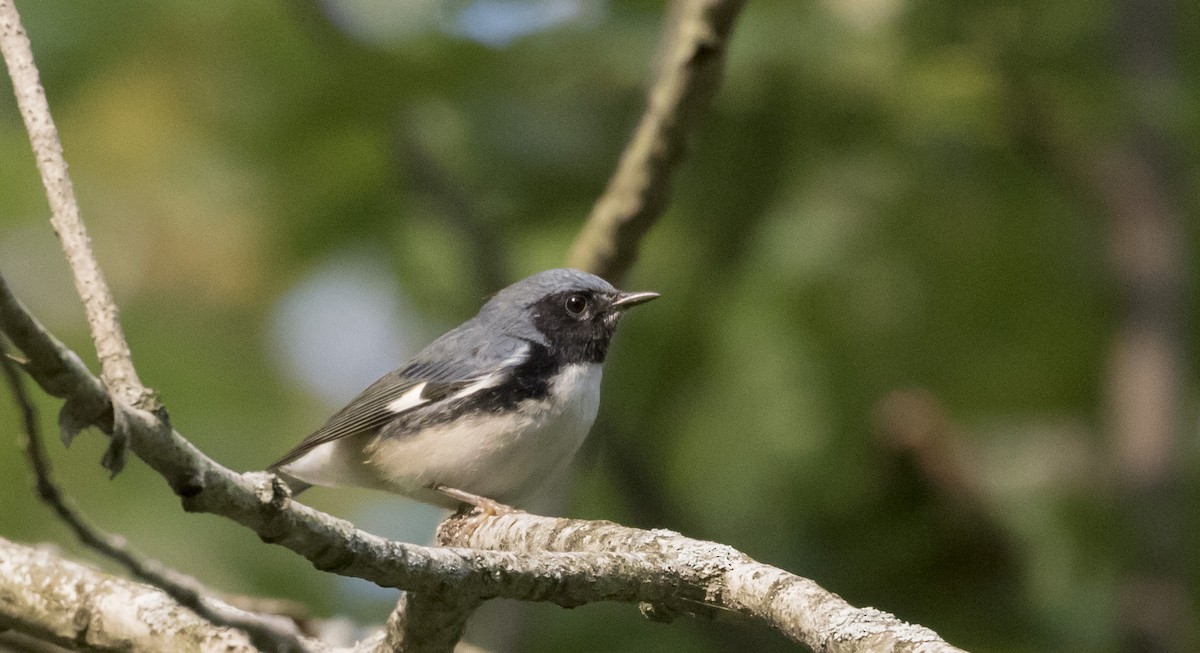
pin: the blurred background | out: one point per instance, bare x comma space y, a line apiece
927, 279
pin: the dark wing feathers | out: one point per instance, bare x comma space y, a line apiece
363, 412
369, 410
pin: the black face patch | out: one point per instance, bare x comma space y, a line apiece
577, 324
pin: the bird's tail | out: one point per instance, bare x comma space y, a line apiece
294, 484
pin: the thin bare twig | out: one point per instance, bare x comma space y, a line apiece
693, 57
115, 359
267, 633
119, 375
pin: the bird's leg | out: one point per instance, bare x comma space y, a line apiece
488, 506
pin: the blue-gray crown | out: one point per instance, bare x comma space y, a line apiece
534, 287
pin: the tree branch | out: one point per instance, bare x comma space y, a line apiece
267, 633
712, 580
428, 622
693, 55
115, 359
77, 607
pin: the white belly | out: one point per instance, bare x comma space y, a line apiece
502, 457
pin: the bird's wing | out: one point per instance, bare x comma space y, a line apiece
420, 383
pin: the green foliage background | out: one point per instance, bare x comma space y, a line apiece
874, 204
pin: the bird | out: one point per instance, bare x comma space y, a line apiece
485, 414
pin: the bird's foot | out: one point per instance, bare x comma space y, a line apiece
488, 506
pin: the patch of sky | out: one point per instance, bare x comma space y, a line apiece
343, 325
495, 23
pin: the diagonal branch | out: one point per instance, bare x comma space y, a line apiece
115, 358
693, 56
267, 633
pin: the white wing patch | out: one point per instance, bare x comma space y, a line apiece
482, 384
408, 400
504, 370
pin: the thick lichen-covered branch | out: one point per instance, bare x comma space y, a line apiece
714, 580
77, 607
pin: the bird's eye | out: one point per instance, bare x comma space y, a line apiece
576, 304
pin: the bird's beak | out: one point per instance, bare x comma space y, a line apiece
626, 299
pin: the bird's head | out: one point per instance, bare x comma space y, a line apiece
573, 312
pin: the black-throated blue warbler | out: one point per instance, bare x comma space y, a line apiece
487, 412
